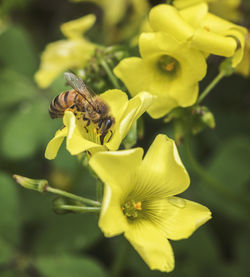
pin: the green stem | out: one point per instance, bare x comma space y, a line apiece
212, 182
210, 86
79, 209
99, 190
110, 74
73, 196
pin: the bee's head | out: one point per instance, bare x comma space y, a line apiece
102, 107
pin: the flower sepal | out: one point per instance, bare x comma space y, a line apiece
226, 67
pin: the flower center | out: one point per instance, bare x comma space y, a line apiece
132, 209
168, 64
91, 131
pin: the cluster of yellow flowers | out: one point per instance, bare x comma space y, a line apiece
139, 196
173, 56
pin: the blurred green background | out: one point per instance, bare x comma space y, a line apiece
34, 241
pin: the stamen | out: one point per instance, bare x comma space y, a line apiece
131, 209
137, 206
168, 64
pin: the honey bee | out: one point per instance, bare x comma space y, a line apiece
82, 99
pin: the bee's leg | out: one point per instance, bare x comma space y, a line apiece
96, 130
102, 137
111, 135
88, 121
100, 124
72, 109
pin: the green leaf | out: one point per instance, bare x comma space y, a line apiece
8, 273
17, 52
14, 88
65, 266
9, 204
26, 130
66, 233
8, 6
230, 165
242, 250
6, 251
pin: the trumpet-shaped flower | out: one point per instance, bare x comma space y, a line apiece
169, 69
139, 200
203, 30
70, 53
228, 9
82, 137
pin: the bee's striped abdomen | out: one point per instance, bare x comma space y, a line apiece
62, 102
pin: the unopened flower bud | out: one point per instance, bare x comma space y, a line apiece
131, 138
202, 118
34, 184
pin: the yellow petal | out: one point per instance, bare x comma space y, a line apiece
112, 220
163, 166
166, 18
55, 143
144, 74
134, 109
194, 15
182, 217
76, 28
244, 67
116, 168
130, 70
182, 4
213, 43
134, 71
117, 101
192, 62
61, 55
152, 245
229, 30
75, 142
215, 35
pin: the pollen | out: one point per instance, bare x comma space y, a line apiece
170, 66
167, 64
131, 209
95, 130
137, 206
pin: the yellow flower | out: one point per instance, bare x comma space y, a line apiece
141, 204
80, 137
203, 30
244, 67
70, 53
169, 69
121, 18
228, 9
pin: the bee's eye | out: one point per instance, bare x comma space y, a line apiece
108, 123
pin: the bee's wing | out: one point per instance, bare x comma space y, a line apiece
77, 84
